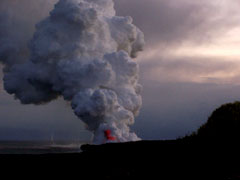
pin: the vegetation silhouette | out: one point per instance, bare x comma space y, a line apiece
222, 126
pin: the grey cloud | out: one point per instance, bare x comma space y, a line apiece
191, 64
1, 76
171, 68
170, 22
22, 15
17, 24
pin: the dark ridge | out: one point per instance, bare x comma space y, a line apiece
223, 125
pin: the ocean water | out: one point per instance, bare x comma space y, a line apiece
39, 147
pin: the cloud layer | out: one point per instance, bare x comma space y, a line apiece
169, 22
187, 42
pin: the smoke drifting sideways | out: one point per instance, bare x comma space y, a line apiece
82, 52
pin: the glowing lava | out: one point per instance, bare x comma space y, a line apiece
108, 135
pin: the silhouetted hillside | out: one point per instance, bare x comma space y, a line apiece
223, 125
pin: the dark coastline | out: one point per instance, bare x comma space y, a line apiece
148, 159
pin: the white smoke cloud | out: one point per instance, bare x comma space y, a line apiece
83, 52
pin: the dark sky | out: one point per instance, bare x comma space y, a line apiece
189, 67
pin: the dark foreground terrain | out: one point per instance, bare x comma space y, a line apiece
144, 159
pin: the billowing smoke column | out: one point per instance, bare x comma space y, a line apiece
83, 52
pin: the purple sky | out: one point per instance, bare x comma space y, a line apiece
189, 67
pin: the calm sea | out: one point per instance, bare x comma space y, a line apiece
39, 147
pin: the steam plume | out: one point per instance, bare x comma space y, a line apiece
83, 52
